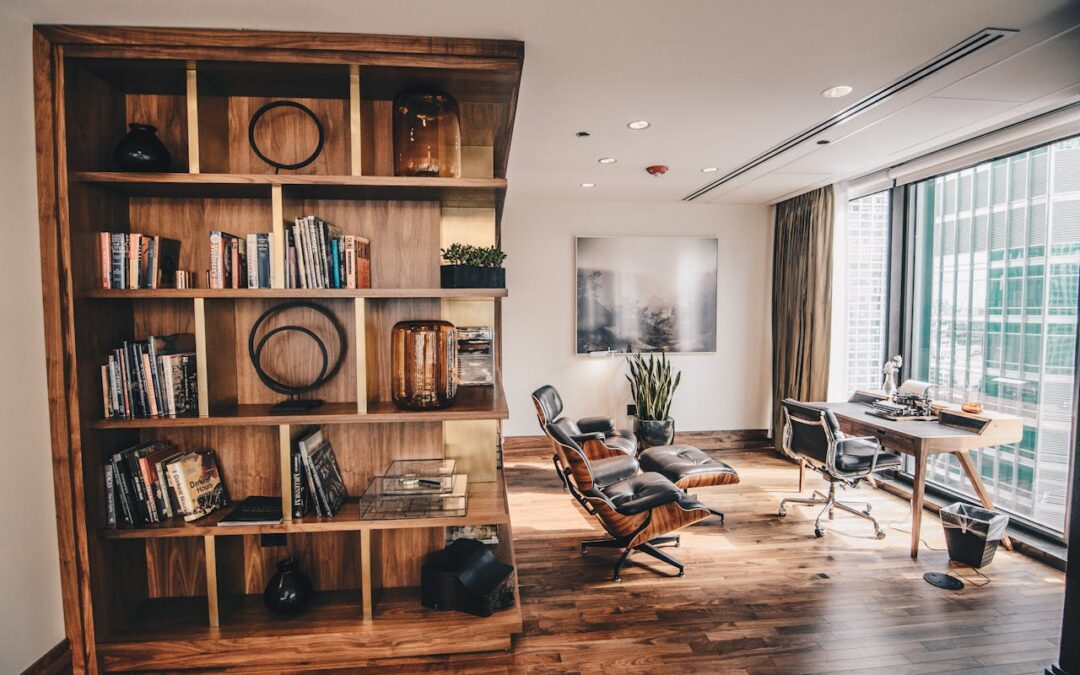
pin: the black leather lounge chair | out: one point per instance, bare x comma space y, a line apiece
638, 510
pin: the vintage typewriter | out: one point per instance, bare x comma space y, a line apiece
903, 407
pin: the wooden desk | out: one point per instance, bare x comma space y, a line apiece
922, 439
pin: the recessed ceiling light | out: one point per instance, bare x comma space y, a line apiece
638, 125
823, 141
588, 185
607, 160
839, 91
710, 169
582, 134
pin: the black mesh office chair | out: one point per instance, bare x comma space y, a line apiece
812, 436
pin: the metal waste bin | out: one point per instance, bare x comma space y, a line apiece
972, 533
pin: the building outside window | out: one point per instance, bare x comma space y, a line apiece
997, 264
866, 279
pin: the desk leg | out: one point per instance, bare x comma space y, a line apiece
980, 489
918, 487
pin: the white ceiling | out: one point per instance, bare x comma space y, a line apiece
721, 81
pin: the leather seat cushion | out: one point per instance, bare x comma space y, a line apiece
625, 442
612, 470
641, 492
678, 463
856, 455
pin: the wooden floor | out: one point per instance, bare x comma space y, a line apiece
761, 595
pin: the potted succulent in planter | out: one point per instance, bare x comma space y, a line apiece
652, 386
470, 266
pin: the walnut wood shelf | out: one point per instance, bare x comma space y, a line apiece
486, 506
331, 632
473, 403
295, 293
450, 191
175, 595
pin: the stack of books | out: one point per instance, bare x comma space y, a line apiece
316, 478
417, 488
240, 263
318, 255
155, 378
132, 260
154, 481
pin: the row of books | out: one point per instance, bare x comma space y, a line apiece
316, 479
240, 263
132, 260
318, 255
155, 481
154, 378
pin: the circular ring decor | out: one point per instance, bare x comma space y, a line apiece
285, 104
326, 372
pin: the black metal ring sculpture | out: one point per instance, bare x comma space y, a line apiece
285, 104
325, 373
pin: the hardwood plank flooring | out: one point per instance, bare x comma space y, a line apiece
761, 595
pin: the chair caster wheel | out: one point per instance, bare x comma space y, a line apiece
782, 511
880, 534
866, 510
682, 573
677, 542
584, 550
616, 578
819, 532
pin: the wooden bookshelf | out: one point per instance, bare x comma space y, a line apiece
177, 595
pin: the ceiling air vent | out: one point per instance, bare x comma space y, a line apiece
965, 48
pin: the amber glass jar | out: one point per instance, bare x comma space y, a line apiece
427, 135
423, 365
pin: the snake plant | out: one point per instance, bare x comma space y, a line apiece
652, 386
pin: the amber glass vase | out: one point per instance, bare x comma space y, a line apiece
427, 135
423, 365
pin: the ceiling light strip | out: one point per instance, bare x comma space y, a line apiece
963, 49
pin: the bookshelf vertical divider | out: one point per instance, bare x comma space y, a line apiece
174, 595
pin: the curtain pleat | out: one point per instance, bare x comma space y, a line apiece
802, 300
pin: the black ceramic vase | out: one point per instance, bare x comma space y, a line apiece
142, 150
651, 433
289, 589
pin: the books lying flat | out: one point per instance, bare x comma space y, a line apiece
254, 510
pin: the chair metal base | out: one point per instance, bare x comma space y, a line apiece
831, 503
648, 548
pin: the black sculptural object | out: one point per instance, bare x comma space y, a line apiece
466, 576
142, 150
289, 589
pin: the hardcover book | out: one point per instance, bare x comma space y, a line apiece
197, 482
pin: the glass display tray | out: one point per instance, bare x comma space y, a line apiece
421, 467
410, 485
377, 505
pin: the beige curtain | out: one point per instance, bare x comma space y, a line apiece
802, 300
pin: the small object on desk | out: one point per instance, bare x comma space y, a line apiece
973, 407
254, 510
910, 407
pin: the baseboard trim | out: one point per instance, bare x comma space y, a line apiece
53, 662
731, 439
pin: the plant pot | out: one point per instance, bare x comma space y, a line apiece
142, 150
472, 276
651, 433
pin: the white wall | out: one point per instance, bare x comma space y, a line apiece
32, 620
726, 390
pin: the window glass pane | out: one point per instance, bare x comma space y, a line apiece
867, 224
997, 273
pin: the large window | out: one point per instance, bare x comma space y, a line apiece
997, 262
866, 281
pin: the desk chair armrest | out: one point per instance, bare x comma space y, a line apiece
589, 425
582, 438
840, 442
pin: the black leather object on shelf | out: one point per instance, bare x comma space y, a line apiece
466, 577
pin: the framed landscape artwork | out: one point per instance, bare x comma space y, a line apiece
648, 294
